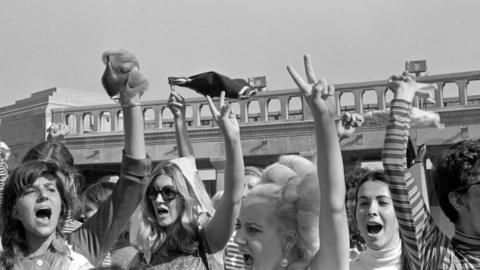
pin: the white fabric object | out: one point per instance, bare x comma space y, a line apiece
78, 261
370, 259
190, 172
420, 118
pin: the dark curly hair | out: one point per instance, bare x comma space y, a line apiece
13, 234
454, 170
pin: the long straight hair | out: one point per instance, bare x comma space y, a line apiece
151, 236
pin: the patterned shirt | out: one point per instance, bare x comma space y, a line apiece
233, 258
426, 246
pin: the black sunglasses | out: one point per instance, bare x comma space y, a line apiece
168, 192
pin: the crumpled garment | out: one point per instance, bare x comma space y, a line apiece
212, 84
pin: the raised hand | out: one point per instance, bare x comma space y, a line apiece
318, 93
347, 124
225, 118
176, 104
122, 79
57, 131
405, 87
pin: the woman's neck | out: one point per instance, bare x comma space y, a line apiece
38, 245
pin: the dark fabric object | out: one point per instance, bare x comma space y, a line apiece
411, 152
212, 84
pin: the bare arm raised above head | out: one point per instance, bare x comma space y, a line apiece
334, 250
221, 227
176, 104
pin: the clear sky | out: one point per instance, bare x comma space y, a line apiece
59, 43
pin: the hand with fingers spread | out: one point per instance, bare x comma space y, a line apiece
176, 104
405, 87
318, 93
347, 124
225, 118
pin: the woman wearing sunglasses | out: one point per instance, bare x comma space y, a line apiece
179, 229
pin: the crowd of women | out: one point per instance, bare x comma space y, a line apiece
289, 215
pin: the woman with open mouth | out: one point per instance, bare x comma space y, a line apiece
178, 227
35, 204
279, 222
375, 218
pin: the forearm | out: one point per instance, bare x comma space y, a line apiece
134, 132
333, 220
221, 227
184, 145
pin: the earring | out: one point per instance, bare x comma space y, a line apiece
284, 263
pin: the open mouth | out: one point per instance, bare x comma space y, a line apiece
374, 228
162, 211
248, 259
43, 213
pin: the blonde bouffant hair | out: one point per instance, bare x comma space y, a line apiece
291, 185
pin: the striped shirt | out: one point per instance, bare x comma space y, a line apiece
3, 177
233, 258
425, 245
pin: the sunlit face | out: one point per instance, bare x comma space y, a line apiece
167, 209
375, 215
258, 234
38, 209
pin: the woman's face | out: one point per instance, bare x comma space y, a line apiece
165, 199
38, 209
375, 215
258, 235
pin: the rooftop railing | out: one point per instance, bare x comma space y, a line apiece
454, 90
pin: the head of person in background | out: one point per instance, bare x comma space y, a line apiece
174, 204
457, 186
278, 221
95, 195
253, 175
34, 208
374, 213
56, 152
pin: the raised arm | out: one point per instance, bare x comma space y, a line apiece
101, 231
334, 248
176, 104
221, 227
416, 225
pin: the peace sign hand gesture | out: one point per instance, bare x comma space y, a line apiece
225, 118
318, 93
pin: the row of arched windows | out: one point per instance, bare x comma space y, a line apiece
273, 108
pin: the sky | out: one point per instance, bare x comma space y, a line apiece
59, 43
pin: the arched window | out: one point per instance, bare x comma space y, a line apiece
347, 102
253, 109
450, 95
369, 100
105, 122
274, 108
71, 121
88, 123
149, 118
295, 108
